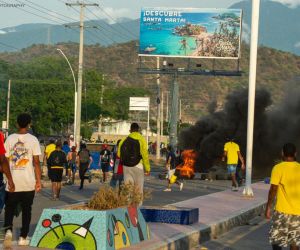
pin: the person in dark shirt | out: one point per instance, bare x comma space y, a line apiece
56, 162
105, 157
84, 161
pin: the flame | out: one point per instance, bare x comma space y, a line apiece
187, 168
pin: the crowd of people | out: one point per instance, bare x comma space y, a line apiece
20, 163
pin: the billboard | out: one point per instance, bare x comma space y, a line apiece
191, 33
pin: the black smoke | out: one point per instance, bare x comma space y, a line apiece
274, 126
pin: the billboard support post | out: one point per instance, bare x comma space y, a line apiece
251, 95
174, 112
158, 112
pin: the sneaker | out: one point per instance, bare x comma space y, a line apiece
168, 190
90, 178
24, 241
181, 186
7, 243
235, 189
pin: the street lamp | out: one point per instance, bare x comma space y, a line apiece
75, 96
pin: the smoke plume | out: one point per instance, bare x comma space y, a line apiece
274, 126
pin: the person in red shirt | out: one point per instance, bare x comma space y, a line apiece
4, 166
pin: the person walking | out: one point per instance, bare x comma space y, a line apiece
118, 177
66, 149
56, 163
4, 168
134, 156
84, 161
233, 154
48, 150
71, 157
172, 175
22, 151
285, 187
105, 157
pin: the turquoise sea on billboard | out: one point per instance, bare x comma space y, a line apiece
190, 32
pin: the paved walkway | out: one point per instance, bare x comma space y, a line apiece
218, 213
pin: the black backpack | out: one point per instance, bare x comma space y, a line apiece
130, 152
105, 156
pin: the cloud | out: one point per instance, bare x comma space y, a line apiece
290, 3
246, 33
110, 14
297, 45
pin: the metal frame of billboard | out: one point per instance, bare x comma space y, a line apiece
197, 57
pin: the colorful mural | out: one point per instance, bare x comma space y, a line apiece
89, 229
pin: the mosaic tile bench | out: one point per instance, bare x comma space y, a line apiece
171, 214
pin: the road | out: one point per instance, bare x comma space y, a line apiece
248, 237
71, 194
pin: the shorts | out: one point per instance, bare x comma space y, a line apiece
55, 174
105, 167
285, 229
231, 168
72, 166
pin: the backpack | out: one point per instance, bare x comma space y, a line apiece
84, 156
130, 152
105, 157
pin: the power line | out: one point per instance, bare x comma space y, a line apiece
52, 11
133, 35
33, 13
116, 32
106, 37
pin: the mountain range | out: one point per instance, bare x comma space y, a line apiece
279, 28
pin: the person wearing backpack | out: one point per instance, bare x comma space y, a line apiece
71, 157
105, 157
133, 154
56, 163
84, 160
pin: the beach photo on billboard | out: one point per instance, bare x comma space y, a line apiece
190, 33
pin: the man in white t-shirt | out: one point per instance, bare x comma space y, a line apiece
22, 151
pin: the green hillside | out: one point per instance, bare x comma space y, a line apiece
43, 85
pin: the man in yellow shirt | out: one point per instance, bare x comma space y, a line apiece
48, 150
285, 186
233, 154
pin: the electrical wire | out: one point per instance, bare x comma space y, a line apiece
112, 30
97, 24
129, 31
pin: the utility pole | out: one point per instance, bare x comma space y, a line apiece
158, 112
251, 95
101, 104
80, 67
8, 108
162, 115
174, 113
167, 107
180, 114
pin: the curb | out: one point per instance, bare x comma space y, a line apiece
201, 233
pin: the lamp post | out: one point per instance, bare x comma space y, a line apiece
75, 96
251, 95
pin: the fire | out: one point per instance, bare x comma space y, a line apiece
187, 168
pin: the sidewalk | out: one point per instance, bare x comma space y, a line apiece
218, 213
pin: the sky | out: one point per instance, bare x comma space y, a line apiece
12, 15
